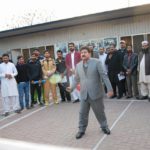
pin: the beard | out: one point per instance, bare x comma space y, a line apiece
145, 50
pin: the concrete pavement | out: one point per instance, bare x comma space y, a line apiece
56, 125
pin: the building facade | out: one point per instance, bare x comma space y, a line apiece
100, 30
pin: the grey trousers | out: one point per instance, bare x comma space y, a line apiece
132, 85
98, 109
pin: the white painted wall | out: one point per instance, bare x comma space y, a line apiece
114, 28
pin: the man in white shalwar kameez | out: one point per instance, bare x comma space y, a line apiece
144, 71
9, 89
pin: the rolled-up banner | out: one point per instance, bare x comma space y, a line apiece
37, 82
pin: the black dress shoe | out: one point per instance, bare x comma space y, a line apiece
129, 97
113, 96
137, 97
63, 101
75, 101
106, 130
143, 97
119, 97
79, 135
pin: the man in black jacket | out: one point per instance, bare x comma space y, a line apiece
35, 74
61, 68
123, 51
23, 82
114, 63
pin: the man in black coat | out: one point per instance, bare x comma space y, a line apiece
23, 82
61, 69
123, 51
35, 74
114, 63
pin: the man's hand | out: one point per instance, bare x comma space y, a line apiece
49, 73
110, 55
8, 76
128, 71
40, 81
32, 82
110, 93
121, 73
72, 71
62, 75
68, 89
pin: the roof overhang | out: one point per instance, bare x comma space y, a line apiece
98, 17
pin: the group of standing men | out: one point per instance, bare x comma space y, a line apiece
121, 66
32, 78
127, 70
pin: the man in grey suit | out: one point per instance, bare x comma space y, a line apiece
130, 63
89, 73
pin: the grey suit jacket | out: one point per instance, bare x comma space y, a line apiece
91, 82
133, 63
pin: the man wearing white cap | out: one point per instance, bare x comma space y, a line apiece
123, 51
144, 71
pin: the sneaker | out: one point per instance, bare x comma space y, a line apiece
56, 102
46, 103
32, 106
18, 111
41, 104
27, 107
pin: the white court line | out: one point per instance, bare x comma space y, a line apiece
7, 117
23, 117
120, 116
124, 100
11, 115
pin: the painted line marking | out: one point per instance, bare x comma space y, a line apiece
23, 117
117, 120
124, 100
4, 118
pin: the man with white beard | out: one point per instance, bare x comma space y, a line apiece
144, 72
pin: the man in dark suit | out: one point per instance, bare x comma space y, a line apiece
72, 58
123, 51
89, 73
130, 63
114, 64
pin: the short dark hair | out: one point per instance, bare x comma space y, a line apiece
20, 56
85, 47
59, 51
5, 54
36, 49
71, 43
33, 54
113, 44
46, 51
